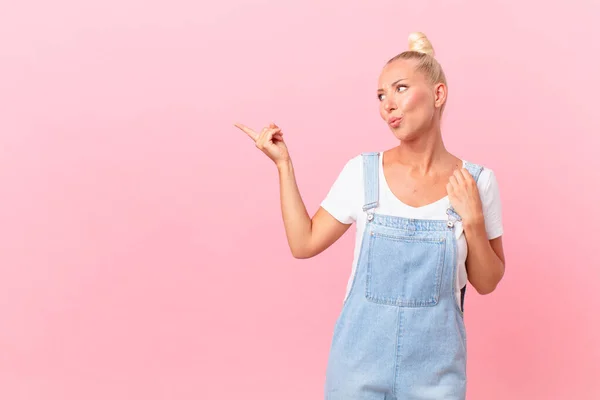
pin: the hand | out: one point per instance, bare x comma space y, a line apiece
269, 141
464, 197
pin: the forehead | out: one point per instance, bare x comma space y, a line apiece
398, 69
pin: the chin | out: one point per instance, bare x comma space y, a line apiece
404, 134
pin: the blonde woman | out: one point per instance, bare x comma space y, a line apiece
418, 209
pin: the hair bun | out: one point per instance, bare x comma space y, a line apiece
417, 41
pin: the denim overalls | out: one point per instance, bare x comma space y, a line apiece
400, 335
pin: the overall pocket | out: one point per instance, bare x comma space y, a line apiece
404, 271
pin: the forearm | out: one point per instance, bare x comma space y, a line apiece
484, 267
296, 220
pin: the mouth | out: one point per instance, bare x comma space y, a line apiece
394, 122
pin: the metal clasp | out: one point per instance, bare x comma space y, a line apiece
453, 217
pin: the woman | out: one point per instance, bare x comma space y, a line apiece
418, 209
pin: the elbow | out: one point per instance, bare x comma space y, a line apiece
304, 252
298, 255
485, 289
488, 287
301, 253
488, 284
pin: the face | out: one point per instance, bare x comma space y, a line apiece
408, 102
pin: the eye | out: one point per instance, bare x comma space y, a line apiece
380, 96
401, 88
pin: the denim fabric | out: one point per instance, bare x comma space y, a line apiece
400, 334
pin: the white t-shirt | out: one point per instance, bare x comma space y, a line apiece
346, 199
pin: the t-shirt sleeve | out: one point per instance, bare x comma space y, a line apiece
491, 203
344, 197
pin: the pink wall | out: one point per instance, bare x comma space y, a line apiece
142, 254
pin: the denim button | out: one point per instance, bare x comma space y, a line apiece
450, 224
370, 217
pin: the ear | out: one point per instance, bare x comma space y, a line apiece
440, 93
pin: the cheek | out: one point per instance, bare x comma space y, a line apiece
382, 111
413, 100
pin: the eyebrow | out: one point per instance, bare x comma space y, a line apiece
393, 84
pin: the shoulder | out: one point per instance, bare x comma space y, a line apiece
487, 176
491, 203
345, 197
487, 184
355, 165
355, 161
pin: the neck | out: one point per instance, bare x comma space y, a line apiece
424, 152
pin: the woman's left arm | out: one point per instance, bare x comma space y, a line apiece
485, 260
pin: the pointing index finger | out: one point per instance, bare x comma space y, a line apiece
253, 135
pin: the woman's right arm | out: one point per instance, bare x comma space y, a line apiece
306, 236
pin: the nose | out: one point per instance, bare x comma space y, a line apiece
389, 104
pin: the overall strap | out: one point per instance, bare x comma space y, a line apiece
475, 171
371, 181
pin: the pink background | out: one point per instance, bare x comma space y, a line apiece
142, 254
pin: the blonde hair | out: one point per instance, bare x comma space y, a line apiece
421, 51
